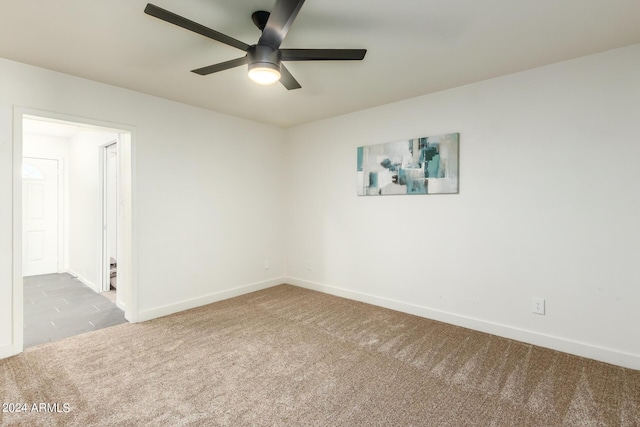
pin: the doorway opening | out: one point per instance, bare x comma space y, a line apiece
72, 217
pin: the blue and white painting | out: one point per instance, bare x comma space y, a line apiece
426, 165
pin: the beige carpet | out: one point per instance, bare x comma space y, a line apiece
291, 357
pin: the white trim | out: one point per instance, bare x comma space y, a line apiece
129, 258
17, 296
587, 350
208, 299
101, 220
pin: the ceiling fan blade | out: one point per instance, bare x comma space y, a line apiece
282, 16
287, 79
187, 24
323, 54
221, 66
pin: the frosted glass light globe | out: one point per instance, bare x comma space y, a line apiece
264, 75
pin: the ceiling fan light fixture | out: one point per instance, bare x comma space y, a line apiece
264, 64
264, 73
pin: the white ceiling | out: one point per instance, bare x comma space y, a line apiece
414, 47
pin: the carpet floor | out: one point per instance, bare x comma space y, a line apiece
288, 356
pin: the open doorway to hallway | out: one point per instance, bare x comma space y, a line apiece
70, 238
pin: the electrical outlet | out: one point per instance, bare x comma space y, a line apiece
309, 265
267, 264
537, 305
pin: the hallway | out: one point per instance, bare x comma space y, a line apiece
58, 306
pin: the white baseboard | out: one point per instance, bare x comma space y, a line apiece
84, 280
582, 349
207, 299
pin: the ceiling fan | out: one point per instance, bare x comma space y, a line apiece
264, 59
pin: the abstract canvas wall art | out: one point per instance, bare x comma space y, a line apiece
426, 165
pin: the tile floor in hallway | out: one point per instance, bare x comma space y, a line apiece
58, 306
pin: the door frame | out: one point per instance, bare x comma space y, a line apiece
62, 211
126, 231
105, 262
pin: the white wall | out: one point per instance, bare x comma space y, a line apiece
549, 206
208, 191
85, 209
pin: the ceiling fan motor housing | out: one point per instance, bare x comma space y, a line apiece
261, 56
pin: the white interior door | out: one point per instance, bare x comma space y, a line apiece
112, 200
39, 216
